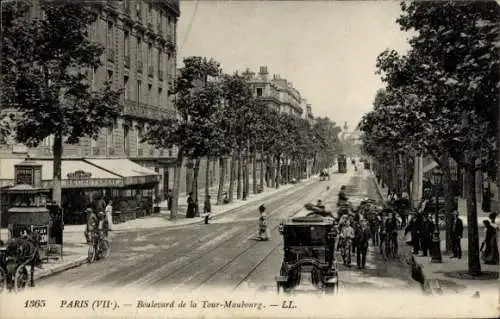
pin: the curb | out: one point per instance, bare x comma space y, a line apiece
62, 268
201, 221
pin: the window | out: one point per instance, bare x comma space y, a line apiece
138, 10
109, 35
150, 55
150, 96
126, 39
93, 78
139, 49
140, 131
160, 58
48, 141
93, 144
139, 88
259, 91
160, 96
110, 137
126, 142
110, 76
150, 12
125, 87
160, 20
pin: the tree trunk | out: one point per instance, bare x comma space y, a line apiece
444, 163
262, 171
194, 188
57, 150
273, 172
207, 178
177, 184
222, 179
278, 171
238, 187
244, 177
189, 175
232, 174
247, 174
474, 263
254, 172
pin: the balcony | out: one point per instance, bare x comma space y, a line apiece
111, 55
126, 61
160, 75
145, 111
139, 66
151, 71
96, 151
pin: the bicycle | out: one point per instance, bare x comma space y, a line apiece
99, 246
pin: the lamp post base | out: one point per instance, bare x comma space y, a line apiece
436, 249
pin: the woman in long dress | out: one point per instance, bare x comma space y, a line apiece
489, 247
263, 224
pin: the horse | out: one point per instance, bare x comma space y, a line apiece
22, 252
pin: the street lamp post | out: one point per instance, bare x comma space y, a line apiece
437, 176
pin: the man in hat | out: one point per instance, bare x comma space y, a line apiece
457, 230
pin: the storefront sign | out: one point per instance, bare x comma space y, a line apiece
80, 174
44, 233
138, 180
91, 183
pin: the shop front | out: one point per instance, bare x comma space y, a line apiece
85, 182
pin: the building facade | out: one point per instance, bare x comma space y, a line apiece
278, 93
140, 40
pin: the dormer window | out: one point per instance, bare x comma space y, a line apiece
259, 91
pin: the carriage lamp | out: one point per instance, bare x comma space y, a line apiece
436, 257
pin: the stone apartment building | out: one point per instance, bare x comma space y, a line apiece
277, 92
140, 39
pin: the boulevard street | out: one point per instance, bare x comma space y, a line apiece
225, 253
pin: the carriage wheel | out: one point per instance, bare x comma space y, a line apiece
20, 278
3, 280
104, 248
91, 254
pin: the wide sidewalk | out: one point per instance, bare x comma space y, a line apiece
451, 274
75, 247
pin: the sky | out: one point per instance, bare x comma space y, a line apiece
327, 49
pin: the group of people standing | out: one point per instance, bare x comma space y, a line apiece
99, 217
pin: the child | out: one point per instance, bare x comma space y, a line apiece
263, 224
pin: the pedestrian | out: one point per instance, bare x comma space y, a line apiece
362, 235
263, 224
207, 208
426, 235
489, 247
190, 206
109, 215
374, 225
100, 205
457, 230
415, 229
493, 217
169, 199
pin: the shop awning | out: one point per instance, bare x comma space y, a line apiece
132, 173
74, 174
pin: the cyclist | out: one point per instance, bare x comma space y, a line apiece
391, 230
92, 224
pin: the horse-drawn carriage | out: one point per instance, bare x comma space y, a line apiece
309, 251
324, 175
15, 258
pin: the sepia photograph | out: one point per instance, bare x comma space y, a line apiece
249, 159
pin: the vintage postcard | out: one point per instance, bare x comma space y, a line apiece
260, 159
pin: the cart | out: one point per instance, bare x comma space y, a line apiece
309, 249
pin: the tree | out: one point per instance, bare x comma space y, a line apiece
451, 71
46, 76
196, 100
